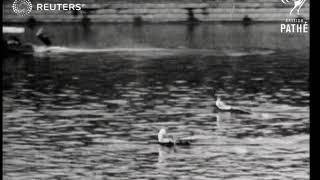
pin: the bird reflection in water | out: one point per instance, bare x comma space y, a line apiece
164, 152
218, 119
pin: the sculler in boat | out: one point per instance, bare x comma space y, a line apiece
11, 41
13, 44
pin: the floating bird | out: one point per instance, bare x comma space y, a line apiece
167, 140
221, 106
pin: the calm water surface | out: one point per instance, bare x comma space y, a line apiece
91, 108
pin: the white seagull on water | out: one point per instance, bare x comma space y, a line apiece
223, 107
167, 140
221, 104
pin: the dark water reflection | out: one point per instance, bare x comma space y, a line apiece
96, 114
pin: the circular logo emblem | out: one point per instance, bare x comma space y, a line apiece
22, 7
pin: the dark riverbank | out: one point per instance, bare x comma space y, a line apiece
163, 11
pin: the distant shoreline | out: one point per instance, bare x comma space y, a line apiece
162, 11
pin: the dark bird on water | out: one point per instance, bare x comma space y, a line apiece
43, 38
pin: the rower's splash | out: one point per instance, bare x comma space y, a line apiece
61, 49
149, 50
